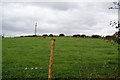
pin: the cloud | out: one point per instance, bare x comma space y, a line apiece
58, 17
58, 0
56, 5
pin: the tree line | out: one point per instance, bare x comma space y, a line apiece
63, 35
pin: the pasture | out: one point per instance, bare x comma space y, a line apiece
28, 57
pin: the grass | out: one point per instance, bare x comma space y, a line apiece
28, 57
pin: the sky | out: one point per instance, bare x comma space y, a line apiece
90, 18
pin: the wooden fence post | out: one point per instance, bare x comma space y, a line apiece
51, 59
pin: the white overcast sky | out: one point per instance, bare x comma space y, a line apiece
19, 18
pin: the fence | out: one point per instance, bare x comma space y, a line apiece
73, 58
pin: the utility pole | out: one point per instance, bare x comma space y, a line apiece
3, 35
35, 28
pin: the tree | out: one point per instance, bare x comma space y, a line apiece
61, 35
117, 39
116, 24
45, 35
108, 36
76, 35
21, 36
83, 36
96, 36
51, 35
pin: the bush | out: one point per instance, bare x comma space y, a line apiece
117, 40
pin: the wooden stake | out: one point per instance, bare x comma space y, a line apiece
51, 59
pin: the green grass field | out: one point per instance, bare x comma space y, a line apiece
28, 57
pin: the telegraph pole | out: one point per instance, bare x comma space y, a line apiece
35, 28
